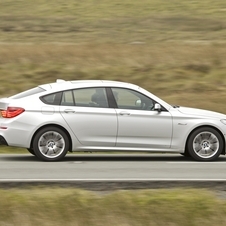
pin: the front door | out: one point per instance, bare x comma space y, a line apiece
139, 125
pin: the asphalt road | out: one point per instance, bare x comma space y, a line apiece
143, 170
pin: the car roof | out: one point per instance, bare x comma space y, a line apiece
62, 84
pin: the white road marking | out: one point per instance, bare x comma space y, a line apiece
198, 163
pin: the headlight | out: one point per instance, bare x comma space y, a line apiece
223, 121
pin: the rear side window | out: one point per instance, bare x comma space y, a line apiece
52, 99
91, 97
28, 93
68, 98
85, 97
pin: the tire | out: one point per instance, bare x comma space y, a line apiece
205, 144
50, 144
31, 151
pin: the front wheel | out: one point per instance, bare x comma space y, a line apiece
205, 144
50, 144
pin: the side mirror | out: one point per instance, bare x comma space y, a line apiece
157, 107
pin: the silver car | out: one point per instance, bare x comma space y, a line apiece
92, 115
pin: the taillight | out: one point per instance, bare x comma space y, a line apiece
11, 112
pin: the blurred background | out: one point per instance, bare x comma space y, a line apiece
175, 49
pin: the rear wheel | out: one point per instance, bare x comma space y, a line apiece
205, 144
51, 144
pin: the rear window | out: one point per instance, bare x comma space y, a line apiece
28, 93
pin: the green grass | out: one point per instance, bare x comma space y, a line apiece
112, 21
58, 206
12, 150
186, 75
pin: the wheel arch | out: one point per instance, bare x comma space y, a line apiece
221, 134
57, 126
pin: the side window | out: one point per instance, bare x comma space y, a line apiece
130, 99
52, 99
91, 97
67, 98
49, 99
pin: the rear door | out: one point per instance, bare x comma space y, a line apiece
87, 113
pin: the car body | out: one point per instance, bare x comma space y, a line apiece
99, 115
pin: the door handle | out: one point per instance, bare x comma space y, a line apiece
69, 111
124, 113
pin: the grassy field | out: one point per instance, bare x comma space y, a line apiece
61, 206
176, 49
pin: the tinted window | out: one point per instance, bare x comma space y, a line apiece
53, 98
67, 98
91, 97
130, 99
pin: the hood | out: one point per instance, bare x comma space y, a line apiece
200, 112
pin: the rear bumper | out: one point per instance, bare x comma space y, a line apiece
3, 141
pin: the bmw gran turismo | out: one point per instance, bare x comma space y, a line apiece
99, 115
